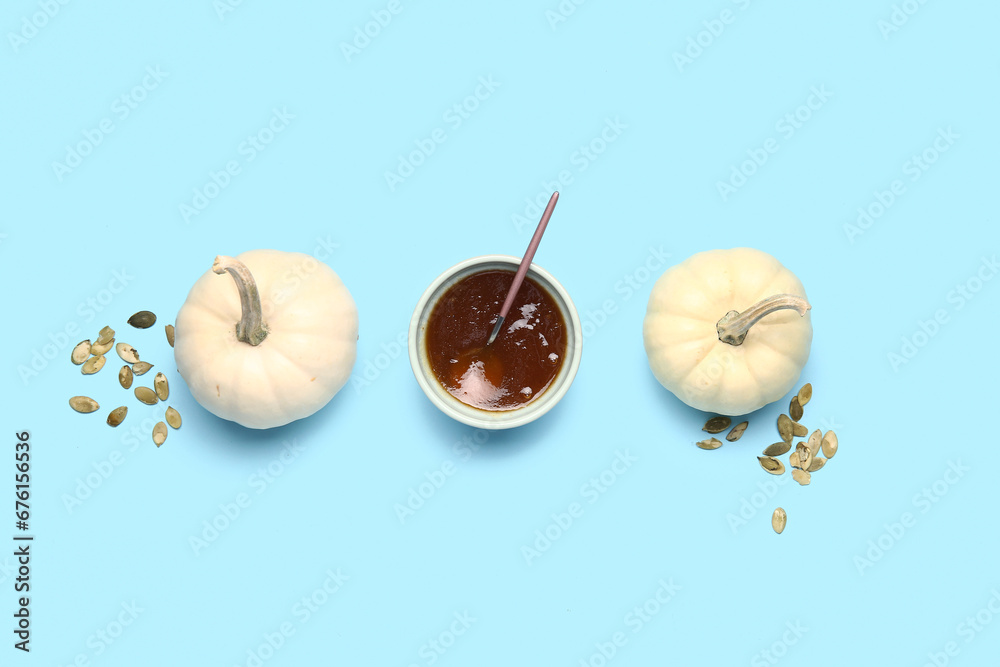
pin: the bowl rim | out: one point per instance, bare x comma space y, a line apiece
467, 414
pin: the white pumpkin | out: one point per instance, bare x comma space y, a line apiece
728, 331
272, 343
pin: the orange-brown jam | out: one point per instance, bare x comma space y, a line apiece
523, 360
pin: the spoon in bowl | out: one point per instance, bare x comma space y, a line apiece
522, 269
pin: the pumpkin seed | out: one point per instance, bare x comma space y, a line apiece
815, 441
146, 395
801, 476
778, 520
817, 463
772, 465
125, 377
805, 455
128, 353
830, 444
140, 367
161, 387
805, 394
717, 424
777, 449
101, 348
92, 365
84, 404
799, 430
711, 443
117, 416
793, 460
795, 409
159, 433
80, 352
785, 428
173, 418
737, 431
105, 334
170, 334
142, 320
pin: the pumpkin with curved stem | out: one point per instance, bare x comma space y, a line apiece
269, 343
728, 331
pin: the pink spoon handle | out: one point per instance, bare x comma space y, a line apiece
522, 270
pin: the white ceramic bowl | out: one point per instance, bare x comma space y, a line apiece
467, 414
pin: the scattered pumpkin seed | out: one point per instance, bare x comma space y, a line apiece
799, 430
101, 348
795, 409
117, 416
815, 441
106, 334
128, 353
84, 404
778, 520
801, 476
785, 428
173, 418
830, 444
142, 320
793, 460
777, 449
159, 433
817, 463
170, 334
737, 431
92, 365
805, 394
80, 352
140, 367
161, 387
772, 465
711, 443
717, 424
125, 377
146, 395
805, 455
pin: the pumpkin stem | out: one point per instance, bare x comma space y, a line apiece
734, 326
251, 328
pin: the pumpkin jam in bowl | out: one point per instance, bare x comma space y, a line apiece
524, 372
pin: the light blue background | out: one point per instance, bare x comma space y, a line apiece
655, 187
